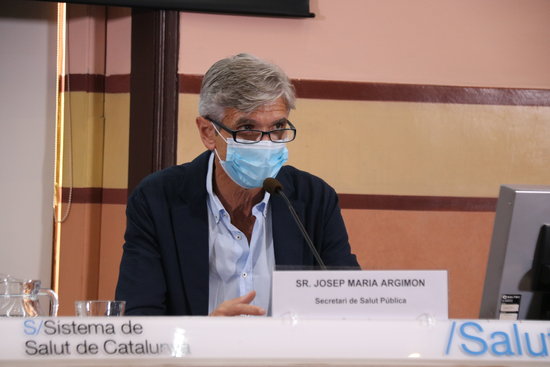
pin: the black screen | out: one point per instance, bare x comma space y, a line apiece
282, 8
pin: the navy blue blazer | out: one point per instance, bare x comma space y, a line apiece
164, 267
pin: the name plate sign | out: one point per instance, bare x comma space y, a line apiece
379, 294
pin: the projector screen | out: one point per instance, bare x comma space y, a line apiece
280, 8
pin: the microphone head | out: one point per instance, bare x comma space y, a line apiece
272, 185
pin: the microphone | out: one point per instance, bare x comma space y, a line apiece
274, 187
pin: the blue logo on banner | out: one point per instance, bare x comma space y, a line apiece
471, 339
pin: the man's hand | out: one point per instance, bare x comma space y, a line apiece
239, 306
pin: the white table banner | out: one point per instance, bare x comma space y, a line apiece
266, 341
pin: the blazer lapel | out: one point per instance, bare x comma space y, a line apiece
191, 232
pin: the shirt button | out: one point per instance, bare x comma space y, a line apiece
244, 275
238, 237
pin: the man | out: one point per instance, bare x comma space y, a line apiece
203, 238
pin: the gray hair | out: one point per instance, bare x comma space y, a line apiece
245, 83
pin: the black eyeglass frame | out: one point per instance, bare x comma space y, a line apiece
268, 133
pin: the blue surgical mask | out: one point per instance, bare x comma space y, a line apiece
250, 164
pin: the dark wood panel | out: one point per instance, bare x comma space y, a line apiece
364, 91
342, 90
97, 195
153, 92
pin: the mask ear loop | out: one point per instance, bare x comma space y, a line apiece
224, 139
222, 162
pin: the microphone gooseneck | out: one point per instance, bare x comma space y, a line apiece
274, 187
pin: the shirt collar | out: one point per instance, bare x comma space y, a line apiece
215, 204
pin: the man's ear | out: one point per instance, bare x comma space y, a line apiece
206, 132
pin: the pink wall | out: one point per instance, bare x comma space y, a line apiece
119, 40
99, 40
493, 43
86, 39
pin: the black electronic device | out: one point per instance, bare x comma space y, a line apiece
517, 282
272, 8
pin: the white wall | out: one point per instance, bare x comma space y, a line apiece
27, 132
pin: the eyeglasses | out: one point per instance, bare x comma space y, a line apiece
248, 136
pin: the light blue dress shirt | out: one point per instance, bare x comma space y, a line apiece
237, 267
